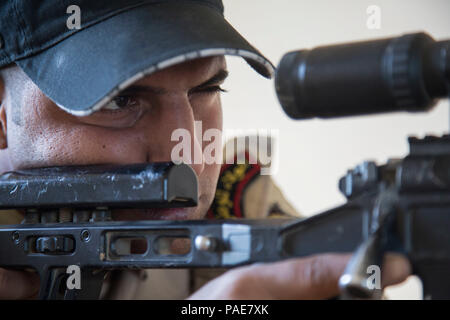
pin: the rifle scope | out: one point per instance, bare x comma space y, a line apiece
406, 73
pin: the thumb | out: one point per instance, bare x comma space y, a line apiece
396, 268
18, 284
312, 277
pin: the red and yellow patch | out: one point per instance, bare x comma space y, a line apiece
232, 182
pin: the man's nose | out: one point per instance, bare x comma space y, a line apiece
175, 130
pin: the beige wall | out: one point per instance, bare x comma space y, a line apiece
314, 154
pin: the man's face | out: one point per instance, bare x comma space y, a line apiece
135, 127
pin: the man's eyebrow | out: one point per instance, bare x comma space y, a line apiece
220, 76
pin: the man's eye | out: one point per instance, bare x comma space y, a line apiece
120, 102
207, 90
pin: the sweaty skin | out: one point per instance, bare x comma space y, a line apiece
136, 127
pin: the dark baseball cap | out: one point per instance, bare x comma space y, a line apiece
118, 42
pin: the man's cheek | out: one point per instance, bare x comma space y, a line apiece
71, 146
50, 150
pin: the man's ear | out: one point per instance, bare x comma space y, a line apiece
3, 141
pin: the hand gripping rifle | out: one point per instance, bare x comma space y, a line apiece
401, 206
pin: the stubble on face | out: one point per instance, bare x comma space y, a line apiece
48, 136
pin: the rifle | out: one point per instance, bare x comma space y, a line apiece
401, 206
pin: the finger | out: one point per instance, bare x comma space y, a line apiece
18, 284
313, 277
396, 268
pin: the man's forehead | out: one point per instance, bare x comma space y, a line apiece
186, 74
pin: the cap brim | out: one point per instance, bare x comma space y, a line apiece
82, 72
